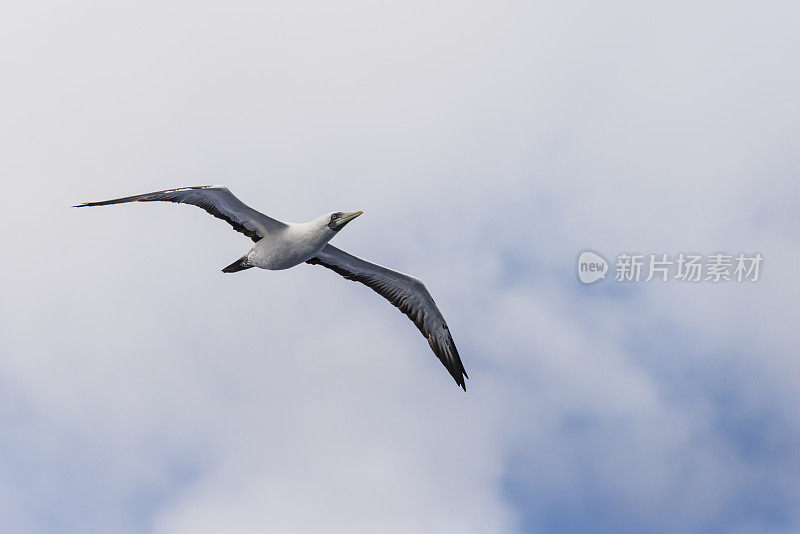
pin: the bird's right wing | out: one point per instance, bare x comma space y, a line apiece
216, 200
408, 294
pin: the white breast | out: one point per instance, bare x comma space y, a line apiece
297, 243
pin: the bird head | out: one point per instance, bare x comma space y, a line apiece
339, 219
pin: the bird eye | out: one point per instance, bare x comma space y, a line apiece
334, 216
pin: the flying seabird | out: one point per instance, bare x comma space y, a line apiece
280, 245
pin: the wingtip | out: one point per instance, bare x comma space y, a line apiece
461, 381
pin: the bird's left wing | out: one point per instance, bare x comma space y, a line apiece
406, 293
216, 200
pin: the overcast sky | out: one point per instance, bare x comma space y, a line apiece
489, 143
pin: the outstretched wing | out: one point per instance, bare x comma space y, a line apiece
408, 294
216, 200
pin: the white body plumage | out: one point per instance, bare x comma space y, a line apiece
292, 245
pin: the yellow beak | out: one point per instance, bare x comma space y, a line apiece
346, 218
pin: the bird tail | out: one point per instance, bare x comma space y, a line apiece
239, 265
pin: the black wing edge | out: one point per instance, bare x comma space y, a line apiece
207, 206
446, 351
